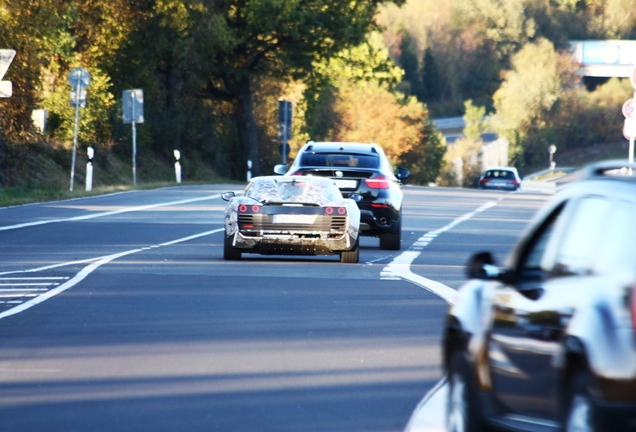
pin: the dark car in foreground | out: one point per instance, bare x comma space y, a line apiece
548, 342
291, 216
358, 169
505, 178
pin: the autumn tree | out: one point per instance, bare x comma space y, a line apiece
529, 94
282, 38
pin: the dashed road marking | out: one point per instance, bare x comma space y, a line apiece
428, 415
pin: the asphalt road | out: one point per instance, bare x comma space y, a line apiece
119, 313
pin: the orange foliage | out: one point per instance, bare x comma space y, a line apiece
368, 113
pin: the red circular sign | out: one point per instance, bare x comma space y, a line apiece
629, 108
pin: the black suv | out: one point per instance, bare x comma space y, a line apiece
548, 342
358, 169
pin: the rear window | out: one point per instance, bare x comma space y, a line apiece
339, 160
501, 174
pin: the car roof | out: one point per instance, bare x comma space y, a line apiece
303, 179
505, 168
349, 147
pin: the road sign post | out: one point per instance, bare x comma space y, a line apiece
133, 112
6, 89
79, 79
284, 126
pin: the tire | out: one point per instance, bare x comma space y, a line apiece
230, 253
392, 241
463, 413
579, 410
352, 256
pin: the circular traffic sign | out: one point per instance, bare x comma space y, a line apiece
79, 76
629, 108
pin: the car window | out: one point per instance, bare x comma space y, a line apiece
581, 238
499, 174
339, 160
615, 251
534, 265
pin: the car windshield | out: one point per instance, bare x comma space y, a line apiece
501, 174
339, 160
294, 191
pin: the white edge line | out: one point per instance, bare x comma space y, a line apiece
97, 262
401, 267
110, 213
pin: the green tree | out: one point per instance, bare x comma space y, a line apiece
281, 38
474, 118
408, 61
430, 77
526, 98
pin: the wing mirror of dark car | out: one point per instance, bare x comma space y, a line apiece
356, 197
281, 169
482, 266
226, 196
402, 173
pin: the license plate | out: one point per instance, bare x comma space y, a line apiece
293, 218
346, 184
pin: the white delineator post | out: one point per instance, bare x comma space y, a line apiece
89, 168
177, 165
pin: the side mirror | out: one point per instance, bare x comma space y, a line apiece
226, 196
356, 197
402, 173
281, 169
482, 266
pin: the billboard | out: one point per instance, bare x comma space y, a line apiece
608, 58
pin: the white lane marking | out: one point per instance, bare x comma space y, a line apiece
400, 267
109, 213
426, 416
94, 264
376, 260
32, 278
21, 289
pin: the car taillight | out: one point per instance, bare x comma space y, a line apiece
514, 182
296, 173
380, 182
377, 205
340, 210
484, 180
243, 208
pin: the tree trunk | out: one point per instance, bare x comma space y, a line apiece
246, 125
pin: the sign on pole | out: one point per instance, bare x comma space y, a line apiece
133, 113
6, 57
629, 111
79, 79
629, 108
284, 126
133, 106
6, 89
629, 129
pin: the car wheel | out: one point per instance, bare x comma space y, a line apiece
579, 416
352, 256
391, 241
462, 411
230, 253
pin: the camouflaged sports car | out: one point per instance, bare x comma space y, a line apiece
291, 216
